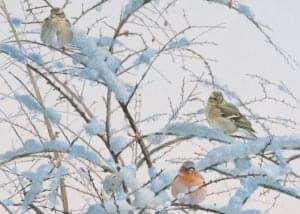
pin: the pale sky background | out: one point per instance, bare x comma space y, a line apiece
241, 50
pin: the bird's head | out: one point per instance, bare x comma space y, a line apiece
57, 12
188, 167
215, 98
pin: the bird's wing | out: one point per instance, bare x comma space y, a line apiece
229, 110
48, 35
65, 34
244, 123
68, 22
46, 28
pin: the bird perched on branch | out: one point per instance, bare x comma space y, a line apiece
188, 186
226, 116
56, 29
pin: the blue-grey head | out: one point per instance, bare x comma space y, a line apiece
188, 166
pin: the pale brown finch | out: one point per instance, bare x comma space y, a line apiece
226, 117
56, 29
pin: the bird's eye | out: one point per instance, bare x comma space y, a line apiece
192, 169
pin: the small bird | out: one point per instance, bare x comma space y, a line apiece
226, 117
188, 186
56, 29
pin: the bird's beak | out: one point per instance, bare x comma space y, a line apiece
191, 169
211, 99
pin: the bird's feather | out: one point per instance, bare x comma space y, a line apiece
230, 111
56, 31
46, 28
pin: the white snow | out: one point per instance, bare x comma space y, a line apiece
16, 21
95, 127
128, 174
143, 197
179, 43
146, 56
13, 52
36, 179
131, 7
96, 209
112, 183
102, 63
118, 143
33, 105
54, 185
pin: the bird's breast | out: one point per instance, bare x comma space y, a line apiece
184, 184
59, 24
217, 121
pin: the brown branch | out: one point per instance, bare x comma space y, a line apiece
84, 12
75, 106
48, 3
160, 147
39, 97
137, 133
